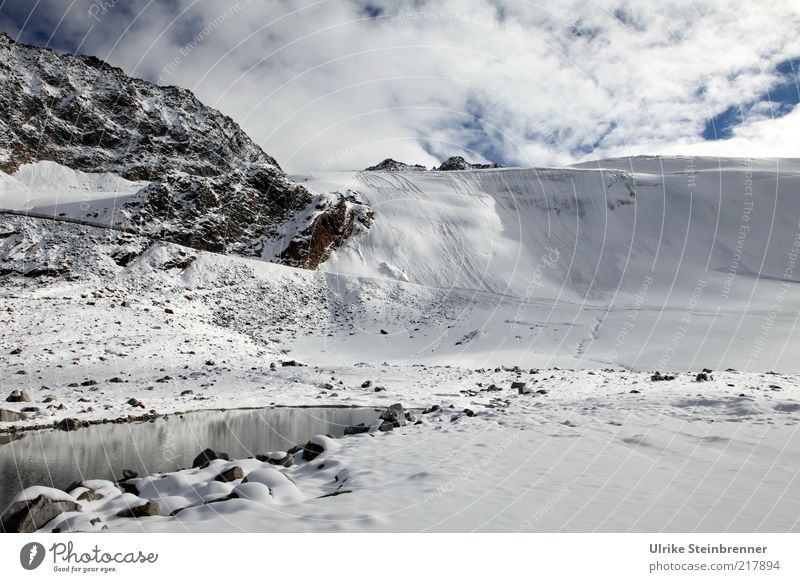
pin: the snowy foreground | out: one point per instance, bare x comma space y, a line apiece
587, 456
577, 304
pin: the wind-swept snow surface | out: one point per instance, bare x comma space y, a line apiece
641, 262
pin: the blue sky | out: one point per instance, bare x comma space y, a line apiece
514, 82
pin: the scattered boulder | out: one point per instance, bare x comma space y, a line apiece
659, 377
129, 474
430, 409
702, 377
521, 387
28, 516
187, 392
379, 389
469, 412
89, 383
116, 380
277, 458
203, 459
18, 396
90, 495
233, 474
394, 414
357, 429
16, 351
312, 450
366, 384
384, 332
135, 403
148, 509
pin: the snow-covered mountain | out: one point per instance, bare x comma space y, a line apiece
85, 114
82, 140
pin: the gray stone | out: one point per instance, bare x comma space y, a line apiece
148, 509
357, 429
18, 396
232, 474
395, 414
30, 516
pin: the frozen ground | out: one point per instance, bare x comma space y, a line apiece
595, 277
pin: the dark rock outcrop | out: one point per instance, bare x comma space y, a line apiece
390, 165
334, 223
458, 163
90, 116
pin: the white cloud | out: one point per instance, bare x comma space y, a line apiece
320, 84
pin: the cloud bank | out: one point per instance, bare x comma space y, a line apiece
341, 84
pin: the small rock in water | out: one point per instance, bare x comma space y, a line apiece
68, 424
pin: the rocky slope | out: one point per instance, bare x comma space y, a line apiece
459, 163
390, 165
211, 187
85, 114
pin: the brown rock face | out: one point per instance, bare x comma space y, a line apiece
329, 230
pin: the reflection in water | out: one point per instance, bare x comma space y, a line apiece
56, 458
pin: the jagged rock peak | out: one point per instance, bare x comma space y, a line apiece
390, 165
459, 163
85, 114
